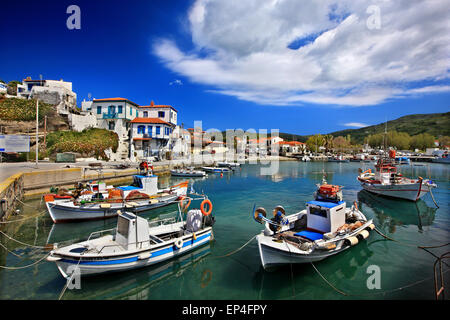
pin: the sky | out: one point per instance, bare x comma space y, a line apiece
301, 67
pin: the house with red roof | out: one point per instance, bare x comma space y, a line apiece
150, 137
290, 147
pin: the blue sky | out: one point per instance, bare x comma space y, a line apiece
236, 67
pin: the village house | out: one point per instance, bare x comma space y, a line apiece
150, 138
291, 147
54, 92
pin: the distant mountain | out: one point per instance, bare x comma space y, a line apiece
435, 124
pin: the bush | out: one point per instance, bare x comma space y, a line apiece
89, 142
15, 109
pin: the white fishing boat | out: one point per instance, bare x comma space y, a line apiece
325, 228
444, 158
188, 172
228, 164
305, 158
339, 158
135, 242
386, 181
142, 195
216, 169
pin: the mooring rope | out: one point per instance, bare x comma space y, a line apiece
372, 293
4, 247
69, 281
432, 197
27, 266
22, 243
237, 250
408, 244
27, 218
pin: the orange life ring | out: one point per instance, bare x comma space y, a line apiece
202, 207
183, 205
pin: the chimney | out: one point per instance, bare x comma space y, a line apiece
152, 103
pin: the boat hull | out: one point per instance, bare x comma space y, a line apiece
67, 265
272, 258
412, 192
68, 212
187, 175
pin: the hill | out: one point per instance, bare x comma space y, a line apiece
435, 124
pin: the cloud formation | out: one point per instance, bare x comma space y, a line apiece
356, 125
288, 52
176, 82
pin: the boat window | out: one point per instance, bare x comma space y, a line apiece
318, 212
122, 226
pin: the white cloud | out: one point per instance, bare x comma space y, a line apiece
176, 82
356, 125
241, 49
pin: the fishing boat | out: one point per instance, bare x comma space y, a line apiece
228, 164
386, 181
142, 195
188, 172
402, 160
305, 158
325, 228
216, 169
135, 242
444, 158
339, 158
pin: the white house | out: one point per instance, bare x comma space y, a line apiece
54, 92
3, 87
164, 112
115, 114
149, 137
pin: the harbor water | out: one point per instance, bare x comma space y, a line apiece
206, 274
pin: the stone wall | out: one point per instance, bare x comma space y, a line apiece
10, 190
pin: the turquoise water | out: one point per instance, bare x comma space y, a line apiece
203, 274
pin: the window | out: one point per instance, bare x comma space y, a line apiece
145, 114
111, 125
141, 129
120, 109
131, 111
158, 130
161, 114
111, 109
150, 130
137, 113
99, 110
318, 212
122, 226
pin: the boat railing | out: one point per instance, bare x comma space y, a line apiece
100, 232
139, 244
161, 222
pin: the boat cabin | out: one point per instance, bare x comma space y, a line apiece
386, 172
325, 216
132, 231
145, 184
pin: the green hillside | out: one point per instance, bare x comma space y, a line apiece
435, 124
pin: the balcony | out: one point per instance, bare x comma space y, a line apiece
109, 115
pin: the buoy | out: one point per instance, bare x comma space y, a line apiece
351, 241
202, 207
194, 236
144, 255
221, 174
259, 213
371, 226
178, 243
362, 235
184, 206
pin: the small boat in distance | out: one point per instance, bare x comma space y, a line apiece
325, 228
136, 242
188, 172
228, 164
444, 158
216, 169
386, 181
339, 158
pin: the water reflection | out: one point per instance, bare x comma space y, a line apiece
392, 212
137, 285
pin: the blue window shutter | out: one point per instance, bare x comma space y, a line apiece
99, 110
150, 130
158, 129
120, 109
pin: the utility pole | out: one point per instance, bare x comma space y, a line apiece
37, 131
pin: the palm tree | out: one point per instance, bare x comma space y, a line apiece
328, 142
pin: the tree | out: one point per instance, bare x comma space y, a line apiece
314, 142
12, 87
422, 141
328, 142
444, 141
340, 143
